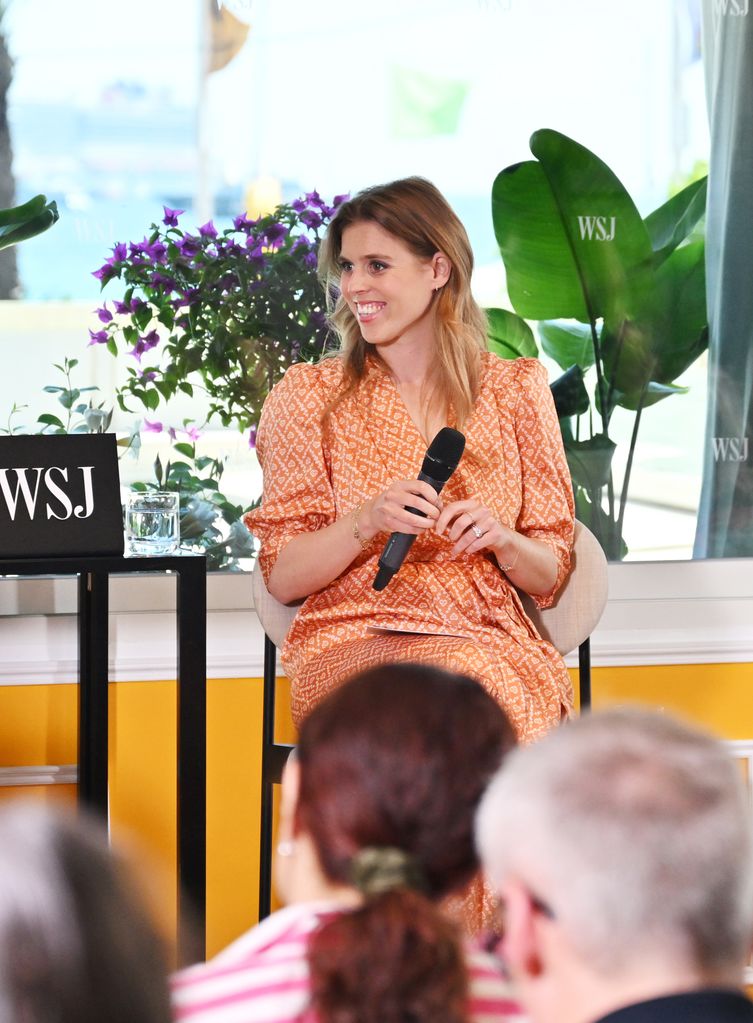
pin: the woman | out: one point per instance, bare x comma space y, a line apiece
75, 944
341, 443
376, 827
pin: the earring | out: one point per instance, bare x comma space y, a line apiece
285, 848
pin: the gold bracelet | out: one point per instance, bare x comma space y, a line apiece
362, 541
512, 564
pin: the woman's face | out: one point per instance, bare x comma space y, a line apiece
387, 287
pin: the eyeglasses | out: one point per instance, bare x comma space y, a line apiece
492, 939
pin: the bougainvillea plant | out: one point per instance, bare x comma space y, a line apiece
225, 311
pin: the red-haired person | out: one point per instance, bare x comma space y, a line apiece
376, 829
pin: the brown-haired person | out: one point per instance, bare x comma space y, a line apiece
341, 443
376, 828
76, 945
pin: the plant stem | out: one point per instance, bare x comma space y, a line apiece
629, 465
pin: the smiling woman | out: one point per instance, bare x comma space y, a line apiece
340, 444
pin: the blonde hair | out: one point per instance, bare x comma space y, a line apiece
414, 211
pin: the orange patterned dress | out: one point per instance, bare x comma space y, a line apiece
460, 613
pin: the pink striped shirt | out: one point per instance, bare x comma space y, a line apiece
263, 977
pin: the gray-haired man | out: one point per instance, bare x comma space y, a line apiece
621, 849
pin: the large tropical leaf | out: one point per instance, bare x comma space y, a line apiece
671, 223
668, 333
569, 344
590, 461
21, 222
509, 335
608, 239
570, 394
542, 280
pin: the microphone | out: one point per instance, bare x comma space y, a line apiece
440, 462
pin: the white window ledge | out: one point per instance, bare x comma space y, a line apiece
692, 612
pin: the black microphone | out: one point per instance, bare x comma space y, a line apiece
440, 462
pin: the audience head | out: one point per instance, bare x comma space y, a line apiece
621, 847
389, 771
415, 212
75, 946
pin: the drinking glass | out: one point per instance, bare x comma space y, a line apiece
152, 522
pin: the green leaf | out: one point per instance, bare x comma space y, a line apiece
668, 332
142, 317
112, 347
509, 335
671, 223
184, 449
67, 398
571, 238
590, 461
23, 222
151, 399
570, 394
20, 214
49, 419
591, 514
569, 344
51, 389
542, 280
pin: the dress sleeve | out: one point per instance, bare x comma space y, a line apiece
297, 494
546, 511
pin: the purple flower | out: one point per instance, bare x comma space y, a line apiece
328, 211
311, 218
275, 234
314, 199
99, 337
252, 437
340, 199
159, 280
192, 432
171, 216
156, 250
151, 425
208, 230
105, 273
298, 205
301, 242
104, 314
148, 375
318, 318
189, 245
137, 248
119, 253
121, 307
310, 260
136, 304
243, 223
145, 344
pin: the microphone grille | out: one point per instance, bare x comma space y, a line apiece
447, 447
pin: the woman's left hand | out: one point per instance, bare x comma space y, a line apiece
472, 527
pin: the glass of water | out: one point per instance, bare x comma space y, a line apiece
152, 522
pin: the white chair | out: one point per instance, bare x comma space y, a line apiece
567, 625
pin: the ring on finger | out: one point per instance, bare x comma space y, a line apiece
477, 530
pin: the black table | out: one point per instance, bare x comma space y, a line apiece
93, 573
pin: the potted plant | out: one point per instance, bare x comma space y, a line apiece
222, 311
620, 302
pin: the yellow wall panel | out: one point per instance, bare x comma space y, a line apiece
38, 725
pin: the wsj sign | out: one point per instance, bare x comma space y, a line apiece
59, 496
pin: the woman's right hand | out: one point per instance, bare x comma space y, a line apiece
389, 512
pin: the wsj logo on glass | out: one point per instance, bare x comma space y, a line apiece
36, 487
